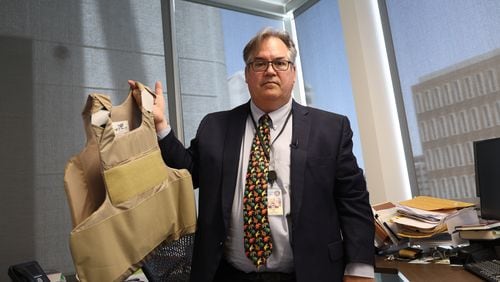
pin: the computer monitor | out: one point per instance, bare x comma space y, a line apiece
487, 166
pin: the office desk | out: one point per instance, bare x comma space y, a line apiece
424, 272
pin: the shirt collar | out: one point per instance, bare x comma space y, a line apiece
278, 116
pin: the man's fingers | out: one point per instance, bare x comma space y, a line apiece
131, 83
158, 88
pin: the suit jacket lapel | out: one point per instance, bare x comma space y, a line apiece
232, 147
300, 139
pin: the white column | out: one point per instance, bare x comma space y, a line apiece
382, 144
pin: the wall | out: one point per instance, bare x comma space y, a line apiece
52, 55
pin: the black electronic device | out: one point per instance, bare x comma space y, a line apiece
487, 166
27, 272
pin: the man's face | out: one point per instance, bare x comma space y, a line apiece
270, 89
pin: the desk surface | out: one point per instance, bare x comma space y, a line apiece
424, 272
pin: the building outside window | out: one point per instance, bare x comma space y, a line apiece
458, 80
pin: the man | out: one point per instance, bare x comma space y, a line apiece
323, 230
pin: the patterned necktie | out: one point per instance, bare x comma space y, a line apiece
257, 233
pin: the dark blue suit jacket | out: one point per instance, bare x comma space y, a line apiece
332, 222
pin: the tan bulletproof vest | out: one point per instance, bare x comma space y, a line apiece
124, 200
83, 182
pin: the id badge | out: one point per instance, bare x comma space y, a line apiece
274, 201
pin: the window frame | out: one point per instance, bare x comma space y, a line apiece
258, 8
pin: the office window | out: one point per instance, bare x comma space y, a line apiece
444, 125
439, 159
451, 92
486, 115
454, 181
443, 184
472, 182
428, 98
464, 181
459, 156
432, 51
458, 90
480, 83
492, 80
435, 130
469, 153
210, 44
418, 102
423, 130
469, 92
474, 117
447, 157
324, 64
459, 193
451, 155
447, 99
497, 112
453, 124
439, 95
463, 122
440, 127
434, 99
440, 188
429, 159
434, 188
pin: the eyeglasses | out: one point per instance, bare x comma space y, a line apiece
278, 65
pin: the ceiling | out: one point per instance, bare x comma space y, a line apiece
277, 9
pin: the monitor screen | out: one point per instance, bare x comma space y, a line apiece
487, 166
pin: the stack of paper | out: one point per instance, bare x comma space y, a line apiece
417, 223
435, 204
431, 221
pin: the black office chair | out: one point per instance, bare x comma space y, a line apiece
170, 261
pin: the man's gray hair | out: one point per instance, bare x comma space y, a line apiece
254, 43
